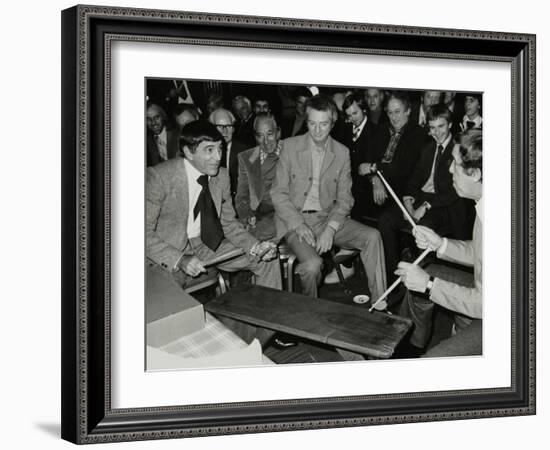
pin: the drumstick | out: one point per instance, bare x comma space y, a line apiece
224, 257
396, 282
390, 190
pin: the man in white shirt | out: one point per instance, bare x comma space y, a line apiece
312, 198
190, 218
162, 141
443, 285
472, 107
224, 121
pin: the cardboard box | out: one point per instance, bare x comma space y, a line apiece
170, 312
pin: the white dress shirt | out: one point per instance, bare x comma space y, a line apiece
162, 140
194, 188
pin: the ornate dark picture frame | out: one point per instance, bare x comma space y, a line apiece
87, 414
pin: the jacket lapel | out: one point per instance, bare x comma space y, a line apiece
304, 157
256, 172
182, 194
216, 193
329, 157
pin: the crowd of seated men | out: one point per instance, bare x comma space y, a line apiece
304, 166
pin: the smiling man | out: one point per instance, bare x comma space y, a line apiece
451, 289
256, 173
190, 218
312, 198
162, 140
429, 197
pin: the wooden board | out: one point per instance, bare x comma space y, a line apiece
350, 327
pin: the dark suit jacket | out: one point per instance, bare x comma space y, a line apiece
167, 209
236, 148
363, 149
172, 146
288, 124
405, 157
244, 132
445, 193
382, 118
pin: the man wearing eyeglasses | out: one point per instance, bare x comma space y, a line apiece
190, 219
312, 198
224, 121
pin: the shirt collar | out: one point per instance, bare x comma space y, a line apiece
277, 151
361, 125
477, 121
192, 172
446, 141
313, 146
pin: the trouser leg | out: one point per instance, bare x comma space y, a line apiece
420, 311
309, 263
389, 224
464, 343
354, 235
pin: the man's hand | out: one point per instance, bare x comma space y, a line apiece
305, 234
192, 266
419, 212
379, 193
366, 168
265, 250
427, 238
324, 243
414, 278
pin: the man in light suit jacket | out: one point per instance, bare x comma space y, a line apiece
190, 218
312, 199
257, 168
444, 286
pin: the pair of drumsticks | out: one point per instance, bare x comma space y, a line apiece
412, 222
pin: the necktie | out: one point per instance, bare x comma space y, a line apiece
470, 124
437, 156
392, 145
211, 227
355, 133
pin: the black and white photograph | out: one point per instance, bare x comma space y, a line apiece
289, 223
297, 224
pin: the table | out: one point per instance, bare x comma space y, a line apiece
350, 328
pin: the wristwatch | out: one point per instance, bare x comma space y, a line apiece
429, 286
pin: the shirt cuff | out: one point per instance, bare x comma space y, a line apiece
334, 225
408, 197
442, 247
177, 265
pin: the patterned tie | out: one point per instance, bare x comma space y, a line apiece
392, 145
211, 227
355, 133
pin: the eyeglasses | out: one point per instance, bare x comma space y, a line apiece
224, 127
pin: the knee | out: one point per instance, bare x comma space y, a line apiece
372, 237
311, 267
387, 220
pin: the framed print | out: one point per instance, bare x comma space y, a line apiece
144, 86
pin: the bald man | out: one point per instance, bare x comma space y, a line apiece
162, 141
224, 121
